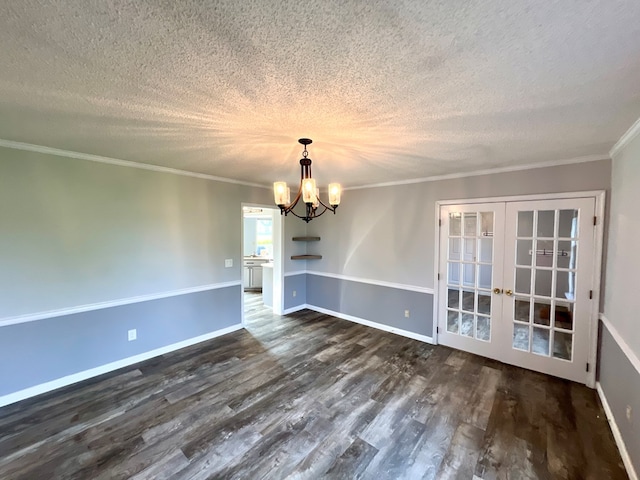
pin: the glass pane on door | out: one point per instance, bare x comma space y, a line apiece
469, 274
546, 246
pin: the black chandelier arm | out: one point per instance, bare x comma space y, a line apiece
311, 212
321, 213
305, 218
327, 207
289, 208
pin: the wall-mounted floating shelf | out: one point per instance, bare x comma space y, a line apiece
307, 256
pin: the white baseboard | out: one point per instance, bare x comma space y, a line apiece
369, 323
109, 367
626, 459
297, 308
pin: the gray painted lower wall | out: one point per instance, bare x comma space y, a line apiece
33, 353
620, 382
298, 284
379, 304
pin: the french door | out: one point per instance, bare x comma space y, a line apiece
515, 282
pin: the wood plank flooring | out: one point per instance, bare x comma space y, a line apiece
310, 396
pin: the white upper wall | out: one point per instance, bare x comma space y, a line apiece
623, 259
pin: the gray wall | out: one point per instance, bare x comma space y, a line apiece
388, 233
36, 352
297, 283
620, 381
624, 239
375, 303
75, 232
294, 227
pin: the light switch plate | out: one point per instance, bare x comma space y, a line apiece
228, 263
132, 334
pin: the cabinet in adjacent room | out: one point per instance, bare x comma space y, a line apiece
252, 273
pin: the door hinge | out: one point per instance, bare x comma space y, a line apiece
437, 329
590, 294
439, 222
595, 220
438, 276
587, 367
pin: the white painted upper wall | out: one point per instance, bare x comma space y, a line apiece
623, 257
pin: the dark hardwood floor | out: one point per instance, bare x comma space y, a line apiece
311, 396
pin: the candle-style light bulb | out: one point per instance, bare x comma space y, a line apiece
334, 193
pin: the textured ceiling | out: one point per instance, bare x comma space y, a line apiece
388, 90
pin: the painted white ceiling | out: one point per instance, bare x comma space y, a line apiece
388, 90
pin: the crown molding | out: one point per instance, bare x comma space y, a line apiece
122, 163
489, 171
629, 135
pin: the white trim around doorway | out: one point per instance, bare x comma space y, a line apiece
278, 257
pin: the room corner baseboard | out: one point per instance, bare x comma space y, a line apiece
626, 459
297, 308
369, 323
109, 367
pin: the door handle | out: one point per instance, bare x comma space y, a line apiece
497, 291
509, 292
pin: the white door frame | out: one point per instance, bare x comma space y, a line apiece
599, 196
278, 257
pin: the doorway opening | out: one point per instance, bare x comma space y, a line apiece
261, 259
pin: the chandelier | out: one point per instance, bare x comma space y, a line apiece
307, 191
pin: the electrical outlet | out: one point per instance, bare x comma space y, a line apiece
132, 334
228, 263
294, 293
406, 313
629, 413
